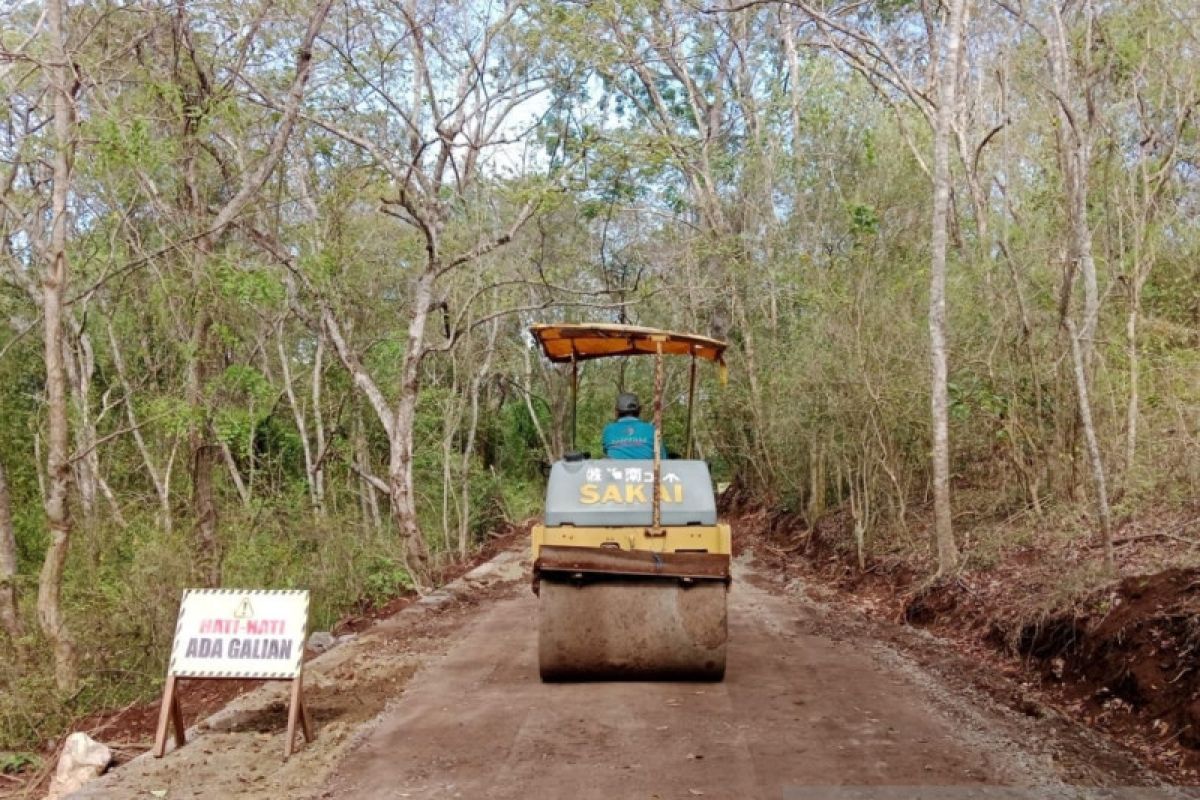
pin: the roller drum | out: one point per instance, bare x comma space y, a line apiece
632, 628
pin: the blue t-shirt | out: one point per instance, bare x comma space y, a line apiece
630, 437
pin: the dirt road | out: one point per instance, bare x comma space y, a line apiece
797, 709
809, 700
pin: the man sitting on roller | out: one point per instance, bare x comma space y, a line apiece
628, 436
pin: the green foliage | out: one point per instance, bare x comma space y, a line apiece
14, 763
863, 220
254, 288
247, 384
171, 415
124, 145
384, 580
971, 397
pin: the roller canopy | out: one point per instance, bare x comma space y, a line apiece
566, 343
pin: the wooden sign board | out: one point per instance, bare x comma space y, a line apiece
237, 634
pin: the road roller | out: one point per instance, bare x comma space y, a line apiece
630, 564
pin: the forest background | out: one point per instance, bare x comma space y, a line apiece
266, 269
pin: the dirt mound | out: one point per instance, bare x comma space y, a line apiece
1126, 658
927, 606
1136, 657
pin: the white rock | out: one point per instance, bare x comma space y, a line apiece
320, 641
82, 759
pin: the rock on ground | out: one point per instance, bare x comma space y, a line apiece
320, 641
82, 759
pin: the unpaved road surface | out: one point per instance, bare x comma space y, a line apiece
798, 708
808, 700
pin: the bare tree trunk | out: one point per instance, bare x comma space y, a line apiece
54, 287
760, 434
1093, 444
235, 474
161, 481
1075, 148
815, 506
947, 550
79, 379
1131, 345
1075, 142
452, 414
318, 473
547, 448
464, 503
9, 619
310, 469
794, 81
370, 503
202, 458
40, 466
80, 363
400, 466
860, 508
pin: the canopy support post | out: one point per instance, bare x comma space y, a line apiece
656, 502
691, 406
574, 401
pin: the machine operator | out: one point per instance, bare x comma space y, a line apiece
628, 436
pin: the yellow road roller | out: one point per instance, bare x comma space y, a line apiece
630, 564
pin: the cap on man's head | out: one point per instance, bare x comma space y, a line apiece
628, 405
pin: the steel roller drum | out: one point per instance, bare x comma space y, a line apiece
632, 628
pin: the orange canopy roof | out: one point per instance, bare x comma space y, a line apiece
566, 342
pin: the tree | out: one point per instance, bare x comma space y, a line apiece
450, 83
1075, 110
59, 87
947, 86
217, 179
9, 619
1161, 107
275, 261
893, 79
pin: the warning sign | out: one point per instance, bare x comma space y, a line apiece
240, 633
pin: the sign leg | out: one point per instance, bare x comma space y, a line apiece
177, 716
306, 722
293, 713
169, 703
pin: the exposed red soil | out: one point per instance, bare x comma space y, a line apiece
134, 724
1124, 657
1134, 660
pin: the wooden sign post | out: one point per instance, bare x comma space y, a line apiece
234, 634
